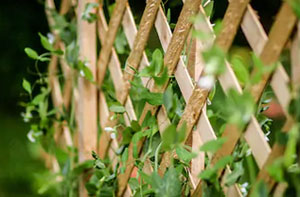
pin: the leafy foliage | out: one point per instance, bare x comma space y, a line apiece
233, 107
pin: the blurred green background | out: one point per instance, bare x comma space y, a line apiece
20, 21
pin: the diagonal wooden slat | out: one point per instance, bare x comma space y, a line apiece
113, 27
135, 56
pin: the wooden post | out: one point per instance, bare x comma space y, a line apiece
87, 104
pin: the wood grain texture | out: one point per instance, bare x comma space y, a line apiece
135, 56
279, 34
87, 109
110, 36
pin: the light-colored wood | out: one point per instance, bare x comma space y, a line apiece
280, 32
110, 36
295, 60
87, 116
135, 56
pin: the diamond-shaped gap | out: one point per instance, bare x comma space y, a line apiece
219, 9
172, 11
122, 47
285, 59
244, 169
108, 6
137, 9
240, 58
270, 115
217, 121
266, 10
153, 43
174, 102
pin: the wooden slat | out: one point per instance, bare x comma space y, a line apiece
281, 29
135, 56
110, 36
295, 60
87, 116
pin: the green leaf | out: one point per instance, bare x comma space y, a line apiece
38, 98
85, 71
237, 172
152, 98
211, 173
240, 70
45, 42
121, 42
168, 98
44, 59
276, 170
80, 168
163, 78
125, 156
135, 139
237, 108
157, 61
258, 69
169, 186
117, 108
135, 125
133, 183
260, 190
127, 135
72, 53
155, 66
207, 174
171, 137
27, 87
185, 155
169, 16
213, 145
99, 164
31, 53
87, 13
295, 4
290, 153
147, 178
223, 162
209, 8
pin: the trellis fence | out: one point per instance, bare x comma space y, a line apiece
91, 102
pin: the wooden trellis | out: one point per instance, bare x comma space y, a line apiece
239, 14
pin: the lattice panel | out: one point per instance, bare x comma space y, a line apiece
239, 14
